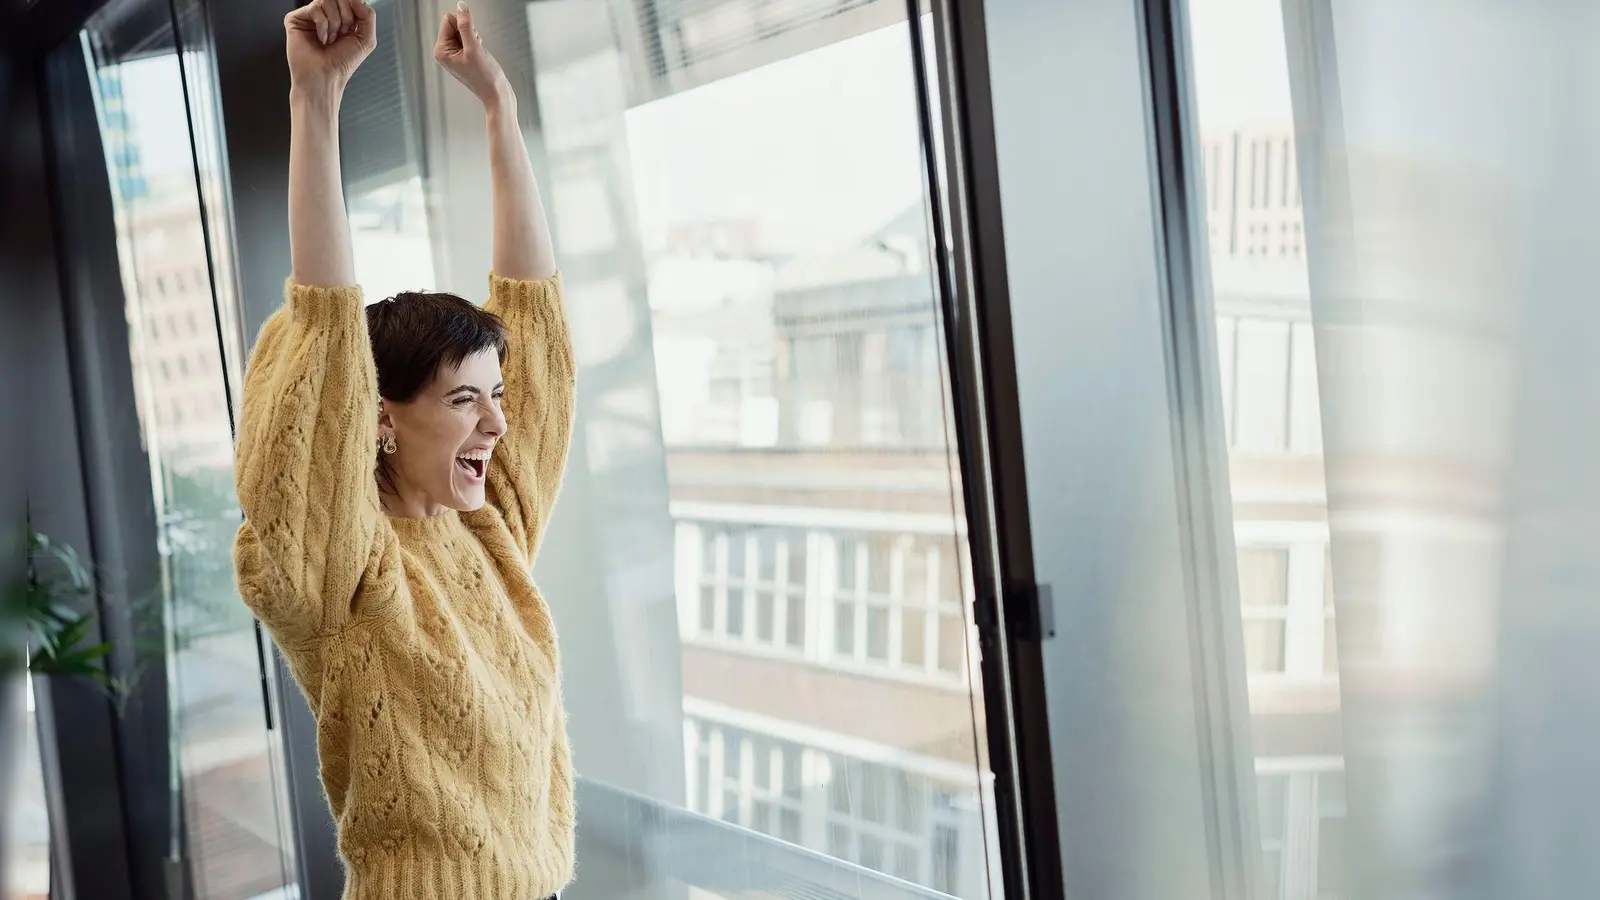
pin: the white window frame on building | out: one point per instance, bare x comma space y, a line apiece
1307, 610
775, 777
1299, 796
711, 597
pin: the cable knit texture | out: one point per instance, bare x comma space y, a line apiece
427, 654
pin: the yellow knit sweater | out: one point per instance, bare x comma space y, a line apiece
426, 652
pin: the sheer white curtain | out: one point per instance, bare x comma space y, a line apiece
1449, 154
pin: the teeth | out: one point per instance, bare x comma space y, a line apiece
475, 454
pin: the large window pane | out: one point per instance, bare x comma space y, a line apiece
739, 213
27, 857
155, 107
1255, 228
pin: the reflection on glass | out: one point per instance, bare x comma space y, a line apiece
740, 222
27, 864
1255, 228
231, 831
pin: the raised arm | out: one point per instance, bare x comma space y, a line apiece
522, 248
307, 435
525, 292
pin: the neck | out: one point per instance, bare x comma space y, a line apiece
404, 504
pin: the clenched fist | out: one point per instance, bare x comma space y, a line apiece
460, 50
327, 39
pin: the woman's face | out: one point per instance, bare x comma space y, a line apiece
444, 436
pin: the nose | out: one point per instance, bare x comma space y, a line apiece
493, 424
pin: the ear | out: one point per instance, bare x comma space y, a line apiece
385, 421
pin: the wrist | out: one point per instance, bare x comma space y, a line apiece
316, 96
502, 100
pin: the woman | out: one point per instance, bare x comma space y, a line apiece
395, 485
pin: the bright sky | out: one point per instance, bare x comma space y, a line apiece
153, 93
1241, 65
820, 149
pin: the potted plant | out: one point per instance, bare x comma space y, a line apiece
46, 609
46, 629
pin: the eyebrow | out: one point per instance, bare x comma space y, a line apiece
471, 389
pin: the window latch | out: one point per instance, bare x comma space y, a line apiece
1030, 609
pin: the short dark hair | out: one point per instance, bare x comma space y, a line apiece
415, 333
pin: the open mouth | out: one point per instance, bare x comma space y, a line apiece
474, 468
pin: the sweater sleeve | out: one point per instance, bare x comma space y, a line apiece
305, 457
525, 474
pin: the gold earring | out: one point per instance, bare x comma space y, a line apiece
386, 444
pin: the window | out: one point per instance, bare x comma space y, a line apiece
745, 778
1267, 352
1301, 814
757, 340
876, 817
1272, 796
1264, 594
898, 602
883, 817
163, 162
752, 585
1331, 873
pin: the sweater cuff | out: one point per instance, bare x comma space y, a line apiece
541, 295
314, 303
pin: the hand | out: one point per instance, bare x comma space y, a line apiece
460, 50
327, 39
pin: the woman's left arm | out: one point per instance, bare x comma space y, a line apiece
525, 292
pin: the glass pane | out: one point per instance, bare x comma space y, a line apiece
839, 842
905, 862
913, 637
877, 633
708, 550
796, 547
915, 588
737, 544
1255, 227
909, 799
1272, 795
1331, 879
871, 851
1272, 872
952, 644
1263, 577
27, 855
874, 794
708, 608
792, 784
758, 349
156, 111
735, 612
847, 563
951, 587
946, 859
880, 550
844, 628
1263, 645
767, 556
795, 613
764, 616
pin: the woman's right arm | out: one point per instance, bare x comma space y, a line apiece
308, 430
